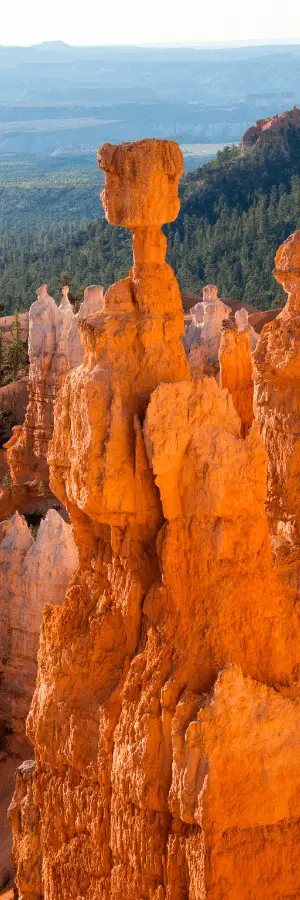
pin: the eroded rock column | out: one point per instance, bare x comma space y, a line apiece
242, 322
54, 348
203, 341
277, 410
32, 573
236, 372
162, 661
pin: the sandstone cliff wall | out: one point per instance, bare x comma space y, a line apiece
166, 710
32, 572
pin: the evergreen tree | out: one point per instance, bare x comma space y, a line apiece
14, 355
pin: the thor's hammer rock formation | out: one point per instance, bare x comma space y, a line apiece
166, 709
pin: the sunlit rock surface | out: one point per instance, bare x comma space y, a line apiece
54, 348
236, 371
242, 322
277, 410
32, 573
166, 709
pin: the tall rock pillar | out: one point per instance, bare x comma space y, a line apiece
236, 371
130, 347
159, 738
277, 411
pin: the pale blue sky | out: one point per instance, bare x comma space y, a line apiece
148, 21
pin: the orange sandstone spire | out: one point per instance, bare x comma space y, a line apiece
131, 346
159, 738
277, 404
236, 372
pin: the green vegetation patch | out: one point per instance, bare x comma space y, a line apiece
236, 210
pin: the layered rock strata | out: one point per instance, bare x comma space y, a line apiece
167, 703
277, 405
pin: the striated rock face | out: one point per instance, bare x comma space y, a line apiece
48, 355
277, 404
242, 740
236, 372
24, 818
32, 572
54, 349
166, 707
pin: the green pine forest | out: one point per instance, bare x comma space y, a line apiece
236, 210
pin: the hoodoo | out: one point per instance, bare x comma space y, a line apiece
277, 409
52, 352
236, 372
204, 335
165, 720
54, 348
31, 572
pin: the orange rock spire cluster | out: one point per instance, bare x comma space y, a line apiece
165, 716
54, 349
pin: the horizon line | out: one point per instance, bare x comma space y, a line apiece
242, 42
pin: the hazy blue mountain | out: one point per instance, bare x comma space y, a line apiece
54, 97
